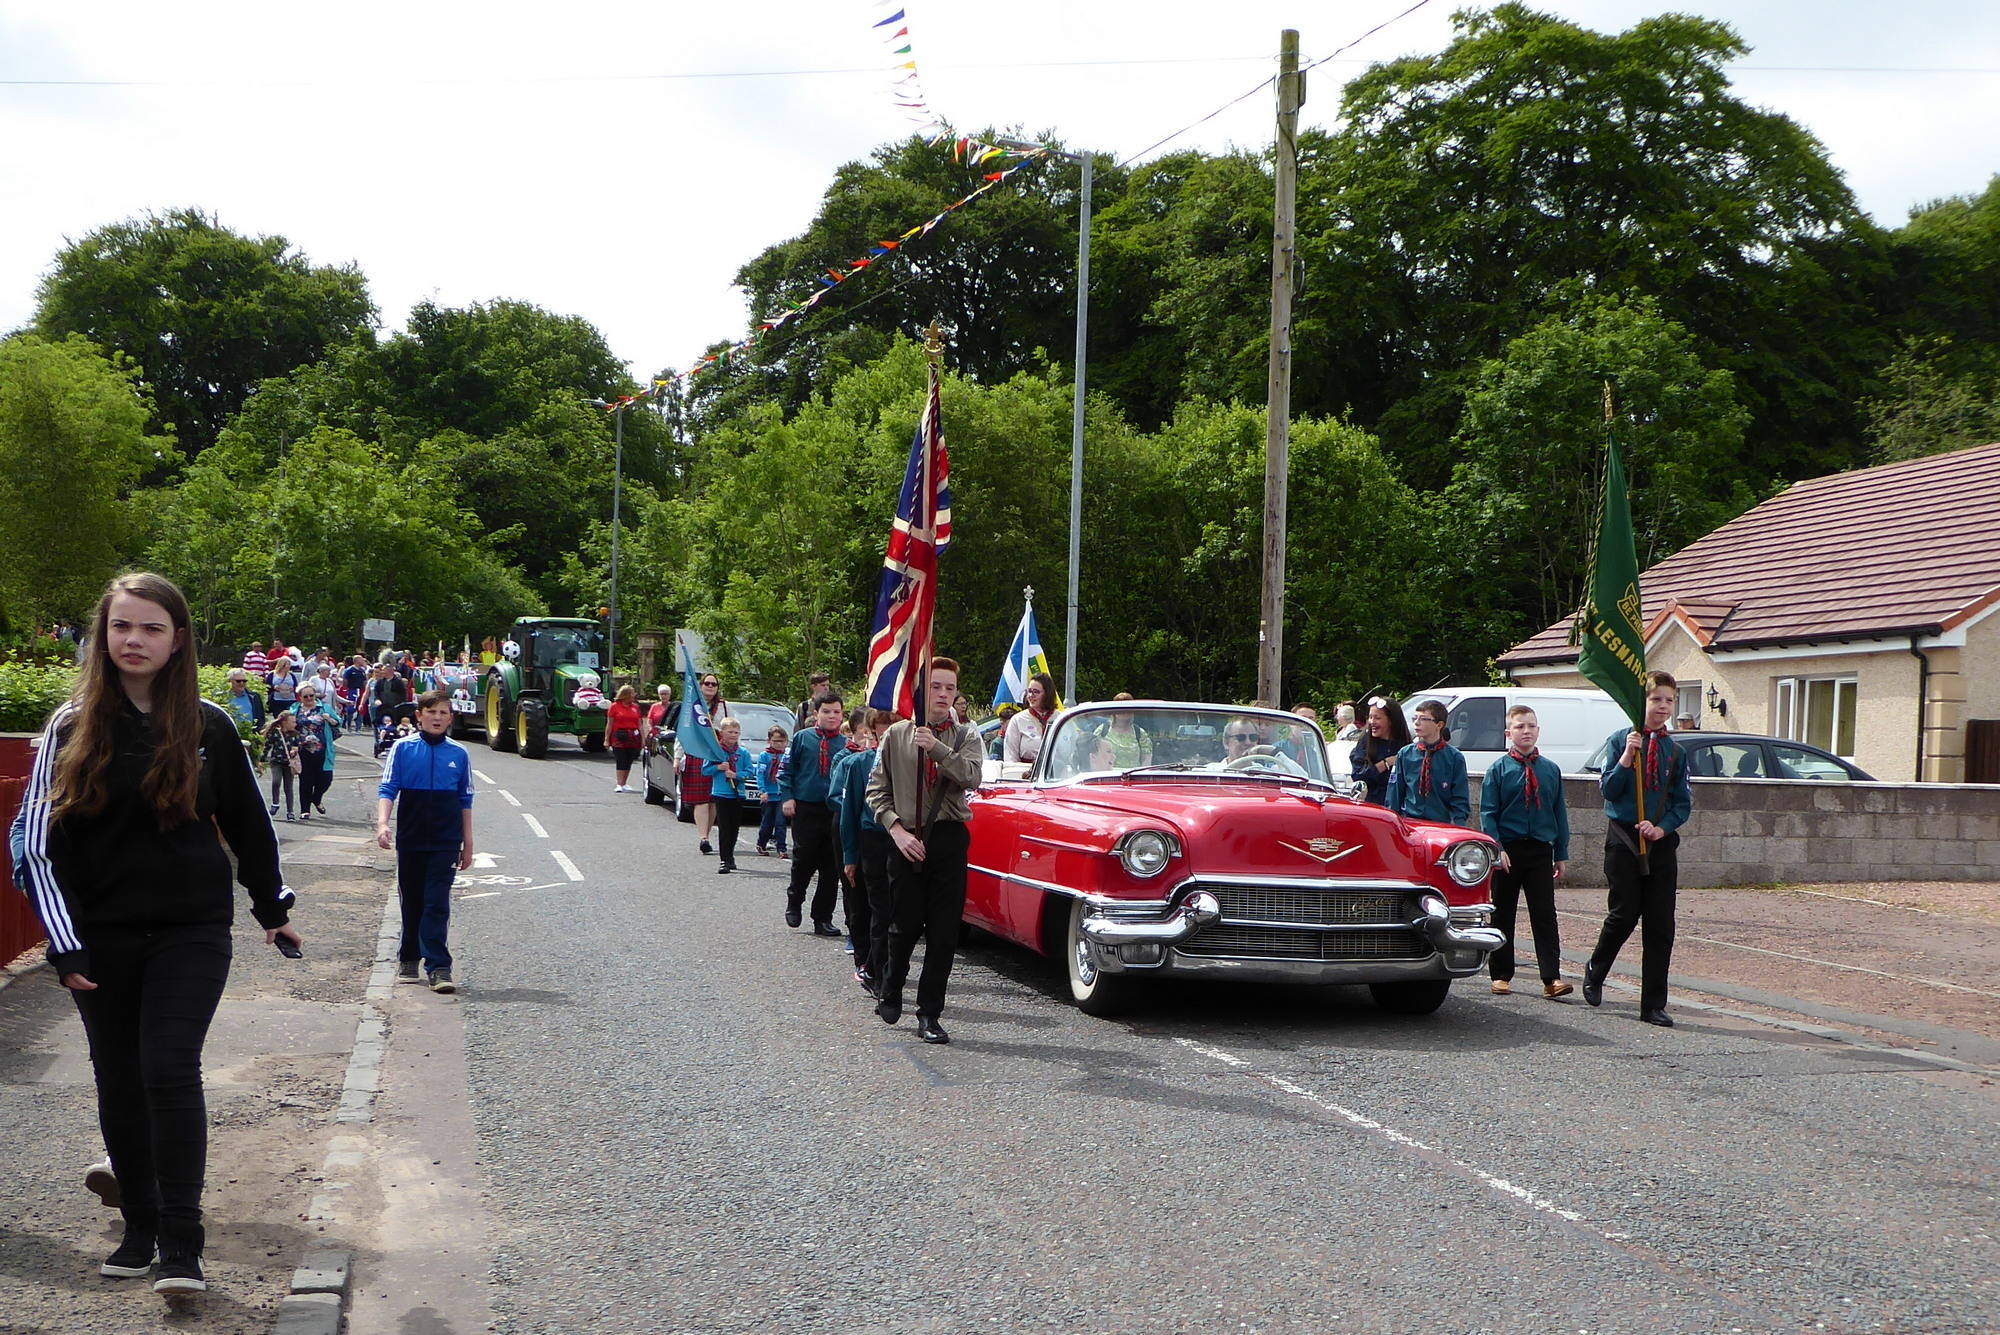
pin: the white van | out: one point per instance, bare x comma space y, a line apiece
1574, 722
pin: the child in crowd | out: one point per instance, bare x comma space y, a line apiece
1428, 781
771, 829
1521, 808
432, 775
864, 849
281, 754
841, 796
727, 779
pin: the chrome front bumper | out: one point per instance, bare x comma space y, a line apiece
1434, 921
1179, 923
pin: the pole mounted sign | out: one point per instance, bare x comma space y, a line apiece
379, 628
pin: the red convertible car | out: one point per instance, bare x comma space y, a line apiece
1155, 839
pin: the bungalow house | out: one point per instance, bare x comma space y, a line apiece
1855, 612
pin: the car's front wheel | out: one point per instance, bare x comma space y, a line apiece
1094, 991
655, 796
1420, 997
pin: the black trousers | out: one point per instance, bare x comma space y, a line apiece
815, 851
876, 850
1533, 873
731, 815
927, 899
146, 1021
1638, 898
855, 903
313, 785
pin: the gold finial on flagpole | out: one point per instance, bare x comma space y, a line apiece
934, 343
1607, 401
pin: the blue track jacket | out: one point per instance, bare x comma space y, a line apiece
434, 781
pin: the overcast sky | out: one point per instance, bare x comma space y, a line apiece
620, 160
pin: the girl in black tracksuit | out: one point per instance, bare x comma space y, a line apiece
137, 784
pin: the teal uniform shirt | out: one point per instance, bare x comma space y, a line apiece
1669, 809
1504, 813
1450, 798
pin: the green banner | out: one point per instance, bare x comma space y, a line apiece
1613, 634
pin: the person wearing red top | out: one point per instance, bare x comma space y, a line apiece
659, 714
621, 731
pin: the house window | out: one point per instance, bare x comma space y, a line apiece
1687, 703
1818, 711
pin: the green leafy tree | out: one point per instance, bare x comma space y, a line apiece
73, 443
205, 312
1519, 513
1948, 276
1469, 187
1934, 400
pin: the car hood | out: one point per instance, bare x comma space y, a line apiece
1263, 828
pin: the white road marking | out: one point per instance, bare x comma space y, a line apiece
516, 890
337, 839
481, 777
511, 799
1808, 959
1863, 899
482, 861
535, 825
562, 860
1367, 1123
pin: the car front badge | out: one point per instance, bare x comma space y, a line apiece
1322, 850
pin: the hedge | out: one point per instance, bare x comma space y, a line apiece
29, 693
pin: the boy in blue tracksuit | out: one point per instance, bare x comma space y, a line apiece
1521, 808
432, 775
1429, 781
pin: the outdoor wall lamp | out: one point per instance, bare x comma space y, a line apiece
1716, 702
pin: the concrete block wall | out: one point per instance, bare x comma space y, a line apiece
1763, 831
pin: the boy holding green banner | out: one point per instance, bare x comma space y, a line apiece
1651, 771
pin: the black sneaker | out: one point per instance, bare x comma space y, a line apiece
441, 981
406, 972
99, 1179
179, 1274
134, 1257
707, 849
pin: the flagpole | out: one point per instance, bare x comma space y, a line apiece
1638, 770
934, 354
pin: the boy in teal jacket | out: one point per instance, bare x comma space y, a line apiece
1521, 808
1429, 781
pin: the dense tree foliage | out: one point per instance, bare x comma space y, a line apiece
1489, 234
204, 312
73, 442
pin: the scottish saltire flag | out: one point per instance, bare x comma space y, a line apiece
1024, 659
900, 638
696, 730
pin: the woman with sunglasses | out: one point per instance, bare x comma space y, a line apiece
696, 788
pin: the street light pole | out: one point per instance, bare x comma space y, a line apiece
1086, 162
617, 490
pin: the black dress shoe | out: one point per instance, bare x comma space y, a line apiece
725, 869
707, 849
791, 917
1593, 988
826, 929
867, 981
1658, 1017
930, 1031
890, 1011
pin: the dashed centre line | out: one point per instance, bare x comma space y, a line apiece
569, 868
1402, 1138
512, 800
481, 776
534, 825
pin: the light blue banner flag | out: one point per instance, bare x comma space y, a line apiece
696, 733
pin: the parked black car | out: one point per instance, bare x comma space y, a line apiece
1745, 755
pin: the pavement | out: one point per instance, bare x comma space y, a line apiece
654, 1108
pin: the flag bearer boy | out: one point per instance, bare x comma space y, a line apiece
1643, 887
1521, 808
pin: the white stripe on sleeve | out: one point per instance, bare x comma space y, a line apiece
43, 887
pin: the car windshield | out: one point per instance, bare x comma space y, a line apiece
564, 644
1174, 739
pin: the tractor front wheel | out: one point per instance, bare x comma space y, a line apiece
531, 731
498, 735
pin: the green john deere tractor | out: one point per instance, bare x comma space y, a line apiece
532, 691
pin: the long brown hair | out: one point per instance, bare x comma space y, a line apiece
81, 784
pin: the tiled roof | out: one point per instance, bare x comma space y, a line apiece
1900, 549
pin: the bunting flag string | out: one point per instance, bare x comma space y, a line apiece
907, 90
970, 151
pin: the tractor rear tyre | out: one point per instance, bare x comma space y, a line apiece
592, 741
531, 733
499, 736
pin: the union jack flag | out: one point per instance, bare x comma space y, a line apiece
899, 643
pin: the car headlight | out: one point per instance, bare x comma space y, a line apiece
1147, 852
1468, 863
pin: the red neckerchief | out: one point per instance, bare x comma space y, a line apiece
1654, 738
1531, 784
1424, 772
826, 740
1041, 716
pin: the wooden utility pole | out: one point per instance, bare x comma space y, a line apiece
1278, 409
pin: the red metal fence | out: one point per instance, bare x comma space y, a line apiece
20, 930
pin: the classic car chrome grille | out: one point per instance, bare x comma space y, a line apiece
1235, 941
1320, 908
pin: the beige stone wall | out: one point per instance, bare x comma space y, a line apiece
1979, 662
